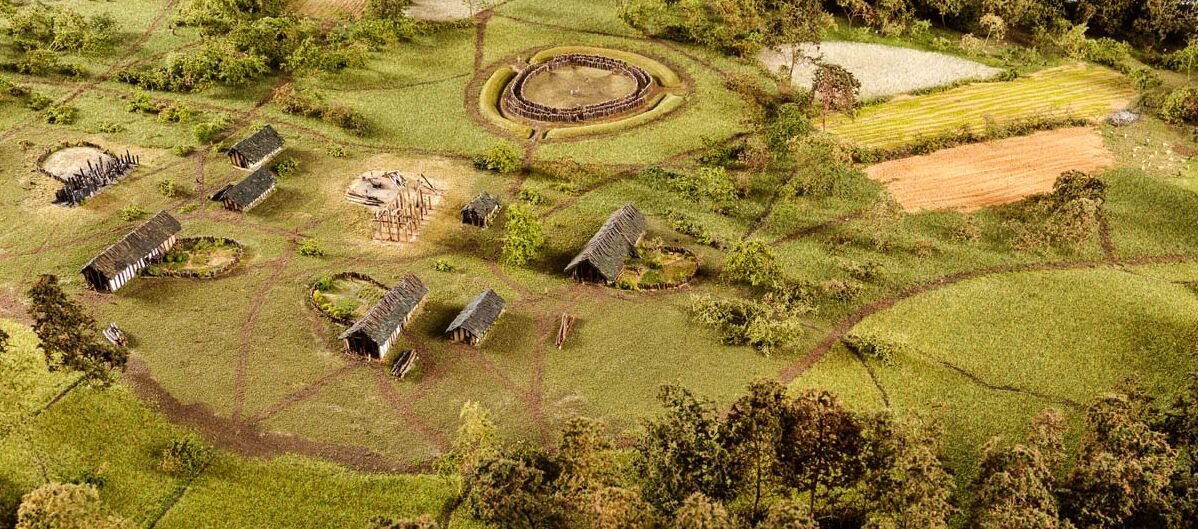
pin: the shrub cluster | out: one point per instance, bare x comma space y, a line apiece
747, 322
502, 158
311, 104
1066, 216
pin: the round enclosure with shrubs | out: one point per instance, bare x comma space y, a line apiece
345, 297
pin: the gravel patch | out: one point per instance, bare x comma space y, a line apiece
882, 70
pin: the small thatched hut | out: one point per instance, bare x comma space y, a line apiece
110, 270
250, 191
476, 319
481, 210
603, 256
257, 149
373, 335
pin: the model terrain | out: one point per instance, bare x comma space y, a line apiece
598, 264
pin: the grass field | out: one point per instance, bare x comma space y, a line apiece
1080, 91
248, 362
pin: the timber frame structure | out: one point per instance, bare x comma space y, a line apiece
481, 210
401, 219
110, 270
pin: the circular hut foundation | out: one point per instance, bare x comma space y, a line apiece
70, 160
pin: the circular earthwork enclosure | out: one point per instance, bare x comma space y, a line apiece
346, 296
198, 258
573, 91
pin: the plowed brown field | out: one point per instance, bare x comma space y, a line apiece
987, 174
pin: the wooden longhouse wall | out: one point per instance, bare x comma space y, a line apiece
121, 262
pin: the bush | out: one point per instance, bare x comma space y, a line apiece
746, 322
132, 213
882, 347
65, 506
688, 226
110, 127
441, 265
712, 183
141, 102
175, 112
1181, 106
344, 308
754, 263
337, 151
38, 62
185, 456
1144, 79
170, 189
325, 284
212, 130
523, 238
39, 102
310, 248
60, 115
183, 150
1107, 51
531, 197
287, 167
502, 158
311, 104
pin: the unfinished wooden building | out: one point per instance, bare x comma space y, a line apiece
110, 270
253, 152
472, 324
400, 220
601, 260
481, 210
373, 335
249, 192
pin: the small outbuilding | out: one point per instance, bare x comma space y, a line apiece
110, 270
477, 318
257, 149
602, 258
373, 335
249, 192
481, 210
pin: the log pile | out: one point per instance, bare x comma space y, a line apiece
88, 182
563, 330
403, 364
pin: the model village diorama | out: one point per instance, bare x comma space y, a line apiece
401, 206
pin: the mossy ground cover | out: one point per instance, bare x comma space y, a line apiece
250, 347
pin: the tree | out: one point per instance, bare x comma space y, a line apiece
1123, 468
66, 506
620, 508
516, 490
1016, 483
788, 514
69, 336
680, 452
700, 512
380, 522
1179, 422
753, 262
502, 158
523, 236
751, 434
821, 447
905, 484
994, 25
835, 89
793, 23
387, 9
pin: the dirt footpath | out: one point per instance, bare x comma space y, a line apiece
987, 174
